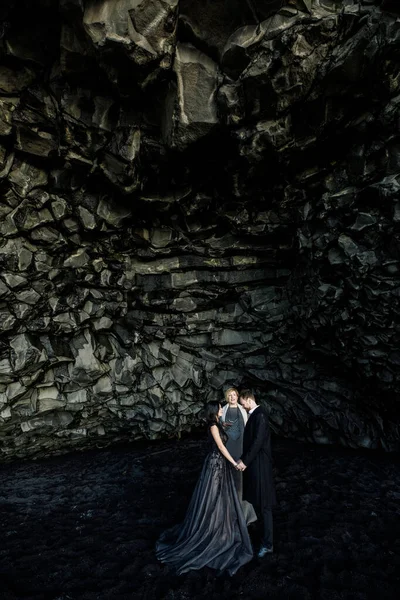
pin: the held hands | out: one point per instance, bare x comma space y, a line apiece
240, 466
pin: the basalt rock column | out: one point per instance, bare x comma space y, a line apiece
198, 195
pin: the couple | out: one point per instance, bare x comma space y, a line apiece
214, 532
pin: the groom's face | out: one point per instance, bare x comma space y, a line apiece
246, 403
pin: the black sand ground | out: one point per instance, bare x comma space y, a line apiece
83, 526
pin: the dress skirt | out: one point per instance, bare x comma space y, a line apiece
214, 532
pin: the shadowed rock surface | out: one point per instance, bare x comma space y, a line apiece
83, 527
195, 195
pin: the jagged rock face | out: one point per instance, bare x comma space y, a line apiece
196, 195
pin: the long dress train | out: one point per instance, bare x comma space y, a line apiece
214, 532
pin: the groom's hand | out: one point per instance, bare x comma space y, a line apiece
240, 466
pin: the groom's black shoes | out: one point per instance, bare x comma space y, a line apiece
265, 550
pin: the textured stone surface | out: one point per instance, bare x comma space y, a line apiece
194, 197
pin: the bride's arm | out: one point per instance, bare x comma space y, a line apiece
220, 444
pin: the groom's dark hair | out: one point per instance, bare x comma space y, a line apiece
247, 394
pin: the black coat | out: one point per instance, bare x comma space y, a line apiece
258, 485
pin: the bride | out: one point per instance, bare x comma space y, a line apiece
213, 533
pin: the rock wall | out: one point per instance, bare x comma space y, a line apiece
195, 195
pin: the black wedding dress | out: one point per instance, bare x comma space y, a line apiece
213, 533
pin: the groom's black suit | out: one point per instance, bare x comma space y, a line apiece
258, 485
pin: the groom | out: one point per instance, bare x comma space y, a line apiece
258, 485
